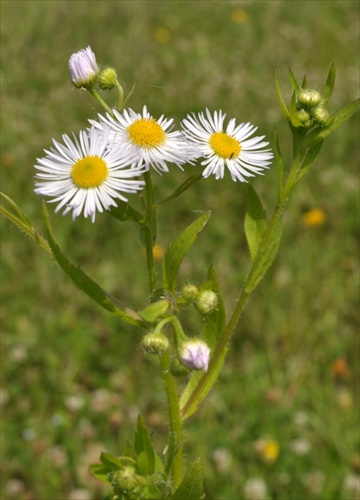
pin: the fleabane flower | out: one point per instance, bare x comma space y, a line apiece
83, 68
87, 174
231, 148
151, 139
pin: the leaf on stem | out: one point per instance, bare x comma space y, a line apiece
329, 85
85, 283
214, 322
293, 81
144, 450
280, 166
179, 248
125, 212
155, 310
280, 98
192, 485
255, 221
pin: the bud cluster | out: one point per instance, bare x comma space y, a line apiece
311, 109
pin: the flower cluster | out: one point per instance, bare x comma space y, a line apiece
88, 173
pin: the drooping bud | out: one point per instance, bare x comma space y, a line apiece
107, 79
83, 69
207, 301
155, 343
195, 354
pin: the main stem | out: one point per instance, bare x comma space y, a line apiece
150, 230
174, 419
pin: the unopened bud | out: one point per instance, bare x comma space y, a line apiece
321, 115
206, 301
195, 354
303, 116
83, 69
189, 293
309, 97
107, 79
155, 343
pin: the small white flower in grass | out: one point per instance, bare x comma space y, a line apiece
87, 174
83, 69
151, 138
231, 148
195, 354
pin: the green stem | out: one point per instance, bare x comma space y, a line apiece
101, 101
150, 230
175, 420
121, 96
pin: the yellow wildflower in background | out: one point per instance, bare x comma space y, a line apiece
239, 16
267, 449
162, 35
314, 217
158, 252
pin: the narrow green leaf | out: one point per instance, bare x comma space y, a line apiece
178, 249
112, 463
280, 166
293, 81
293, 112
280, 98
214, 323
255, 221
199, 386
192, 486
171, 452
155, 310
329, 85
304, 82
266, 254
309, 159
338, 119
100, 472
144, 449
126, 212
84, 282
181, 189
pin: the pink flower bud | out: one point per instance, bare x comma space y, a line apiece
194, 354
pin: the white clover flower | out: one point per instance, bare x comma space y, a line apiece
87, 174
195, 354
83, 69
255, 488
150, 138
231, 148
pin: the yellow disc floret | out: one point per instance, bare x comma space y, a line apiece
225, 146
146, 133
89, 172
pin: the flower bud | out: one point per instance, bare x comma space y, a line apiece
107, 78
83, 69
195, 354
189, 293
303, 116
155, 343
309, 97
206, 301
321, 115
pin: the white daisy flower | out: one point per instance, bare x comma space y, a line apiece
87, 174
83, 68
231, 148
150, 138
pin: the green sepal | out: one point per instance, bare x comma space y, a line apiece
100, 472
329, 85
255, 221
108, 465
320, 133
124, 212
145, 455
266, 254
280, 97
178, 249
214, 322
192, 486
84, 282
153, 311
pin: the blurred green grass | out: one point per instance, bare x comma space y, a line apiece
74, 379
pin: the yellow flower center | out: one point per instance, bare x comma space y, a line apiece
225, 146
89, 172
146, 133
